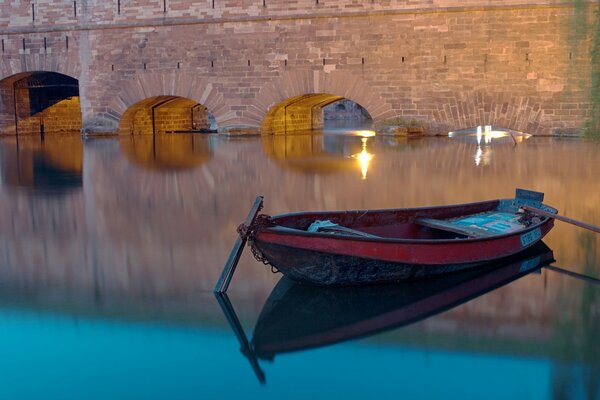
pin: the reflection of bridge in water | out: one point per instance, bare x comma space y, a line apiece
55, 166
167, 152
133, 233
325, 153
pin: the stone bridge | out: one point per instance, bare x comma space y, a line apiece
117, 66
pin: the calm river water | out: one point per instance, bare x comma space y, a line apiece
110, 248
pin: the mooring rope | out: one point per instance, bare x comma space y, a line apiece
261, 222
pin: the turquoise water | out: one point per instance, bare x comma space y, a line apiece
110, 249
73, 358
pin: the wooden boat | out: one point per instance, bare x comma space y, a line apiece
375, 246
298, 317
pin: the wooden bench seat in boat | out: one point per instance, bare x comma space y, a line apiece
486, 224
471, 231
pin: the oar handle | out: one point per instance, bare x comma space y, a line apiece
586, 278
236, 252
568, 220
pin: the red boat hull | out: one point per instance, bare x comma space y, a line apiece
326, 259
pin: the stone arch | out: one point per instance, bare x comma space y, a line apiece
39, 101
472, 109
153, 85
41, 63
299, 83
165, 114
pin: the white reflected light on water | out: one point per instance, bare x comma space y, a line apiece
484, 135
364, 158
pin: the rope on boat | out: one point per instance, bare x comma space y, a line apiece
528, 218
261, 222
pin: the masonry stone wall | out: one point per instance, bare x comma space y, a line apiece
142, 122
58, 118
59, 14
200, 118
520, 64
170, 119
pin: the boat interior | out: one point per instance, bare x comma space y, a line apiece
476, 220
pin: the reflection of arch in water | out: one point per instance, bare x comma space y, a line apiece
303, 113
53, 165
166, 114
319, 153
39, 103
168, 152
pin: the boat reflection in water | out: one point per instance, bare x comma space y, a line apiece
484, 136
297, 317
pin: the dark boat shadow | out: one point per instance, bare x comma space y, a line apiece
298, 317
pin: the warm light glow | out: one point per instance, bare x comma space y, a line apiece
364, 134
487, 133
364, 158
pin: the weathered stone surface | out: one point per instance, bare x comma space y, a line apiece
458, 63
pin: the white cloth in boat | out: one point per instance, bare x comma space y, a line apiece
326, 226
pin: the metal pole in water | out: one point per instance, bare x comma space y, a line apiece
236, 252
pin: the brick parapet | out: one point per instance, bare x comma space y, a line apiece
59, 16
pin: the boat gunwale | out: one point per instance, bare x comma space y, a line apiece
282, 230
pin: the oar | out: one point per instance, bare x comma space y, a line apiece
236, 252
239, 332
562, 218
586, 278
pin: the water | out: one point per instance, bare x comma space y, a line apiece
110, 247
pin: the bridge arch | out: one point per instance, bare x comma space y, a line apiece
166, 114
166, 85
303, 113
330, 86
41, 63
39, 102
479, 108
